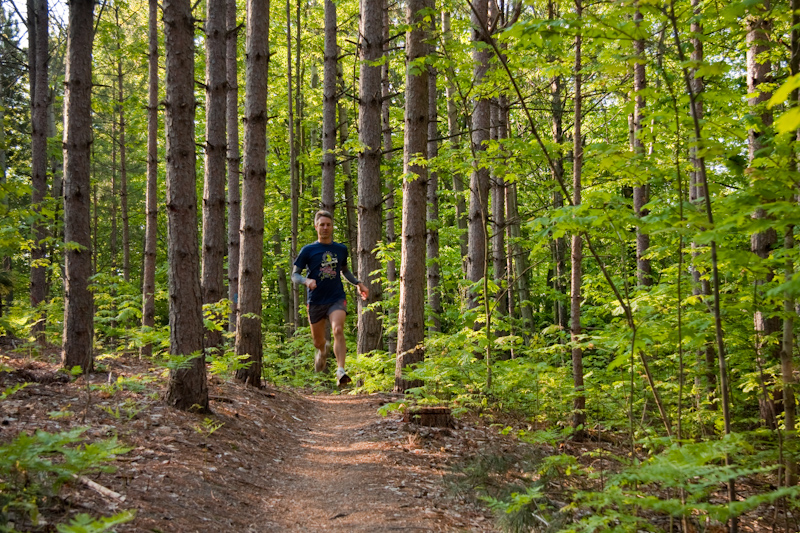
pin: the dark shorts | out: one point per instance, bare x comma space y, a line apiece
321, 312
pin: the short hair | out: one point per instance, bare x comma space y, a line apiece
322, 213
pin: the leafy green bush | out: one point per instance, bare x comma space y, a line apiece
34, 467
683, 481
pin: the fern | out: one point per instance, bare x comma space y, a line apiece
84, 523
33, 467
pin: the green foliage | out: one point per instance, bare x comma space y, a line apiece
118, 312
227, 363
135, 383
127, 410
207, 427
523, 364
180, 362
84, 523
33, 467
11, 390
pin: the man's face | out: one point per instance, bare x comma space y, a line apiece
324, 227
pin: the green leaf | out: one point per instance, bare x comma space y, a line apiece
784, 91
789, 121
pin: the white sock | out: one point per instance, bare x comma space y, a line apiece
340, 370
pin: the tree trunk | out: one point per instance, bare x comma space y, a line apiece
787, 342
95, 219
479, 180
329, 101
187, 387
453, 134
369, 171
283, 287
5, 300
641, 192
787, 366
123, 170
558, 245
113, 216
351, 213
706, 357
232, 117
293, 169
579, 403
78, 304
498, 220
765, 320
151, 200
389, 184
520, 257
432, 244
248, 329
39, 64
57, 189
411, 315
213, 269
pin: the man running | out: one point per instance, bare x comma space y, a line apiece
326, 262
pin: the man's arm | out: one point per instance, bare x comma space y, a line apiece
300, 279
352, 279
349, 276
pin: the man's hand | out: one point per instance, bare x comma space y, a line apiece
363, 290
310, 283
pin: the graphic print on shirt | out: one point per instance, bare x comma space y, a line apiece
327, 270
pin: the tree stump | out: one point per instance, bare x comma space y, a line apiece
429, 416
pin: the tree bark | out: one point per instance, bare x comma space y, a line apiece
232, 117
329, 101
453, 134
351, 213
369, 172
641, 192
579, 403
151, 199
479, 180
213, 270
411, 315
123, 169
558, 245
519, 256
7, 299
293, 168
706, 357
787, 342
432, 242
187, 388
39, 65
389, 184
78, 305
283, 286
765, 320
248, 329
498, 219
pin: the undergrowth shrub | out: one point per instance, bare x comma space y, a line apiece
678, 481
34, 467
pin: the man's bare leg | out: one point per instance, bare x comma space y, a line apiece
337, 330
318, 337
339, 344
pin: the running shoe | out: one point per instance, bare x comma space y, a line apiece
342, 378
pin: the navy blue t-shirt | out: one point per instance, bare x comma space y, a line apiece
324, 263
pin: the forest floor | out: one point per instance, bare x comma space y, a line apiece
264, 460
271, 459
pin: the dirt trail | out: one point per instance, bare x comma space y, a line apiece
344, 475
